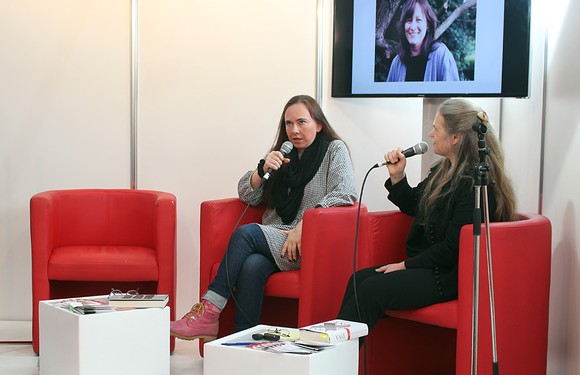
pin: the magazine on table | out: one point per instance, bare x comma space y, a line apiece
84, 306
285, 347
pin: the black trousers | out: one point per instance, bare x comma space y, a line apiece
377, 292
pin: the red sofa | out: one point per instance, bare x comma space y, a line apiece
294, 298
437, 339
85, 242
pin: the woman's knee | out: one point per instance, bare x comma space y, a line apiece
245, 232
257, 266
378, 289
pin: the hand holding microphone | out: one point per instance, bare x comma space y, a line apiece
419, 149
285, 150
394, 157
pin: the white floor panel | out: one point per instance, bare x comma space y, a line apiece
19, 359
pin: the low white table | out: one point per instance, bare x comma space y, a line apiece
342, 359
118, 342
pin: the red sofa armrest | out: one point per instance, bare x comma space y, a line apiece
328, 238
166, 213
42, 241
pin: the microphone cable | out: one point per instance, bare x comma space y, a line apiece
354, 263
285, 149
418, 149
228, 270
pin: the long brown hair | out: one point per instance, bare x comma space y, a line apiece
459, 116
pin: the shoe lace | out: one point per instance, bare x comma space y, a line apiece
195, 312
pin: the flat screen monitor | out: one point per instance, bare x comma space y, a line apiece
442, 49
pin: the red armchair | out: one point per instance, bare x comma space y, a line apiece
294, 298
85, 242
437, 339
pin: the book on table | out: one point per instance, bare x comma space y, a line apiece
333, 331
138, 300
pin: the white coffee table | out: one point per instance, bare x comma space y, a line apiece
342, 359
119, 342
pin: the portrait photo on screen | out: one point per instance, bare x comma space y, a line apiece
428, 46
431, 48
425, 40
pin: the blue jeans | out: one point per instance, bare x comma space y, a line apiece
246, 266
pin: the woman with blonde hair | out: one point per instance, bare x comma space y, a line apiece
441, 205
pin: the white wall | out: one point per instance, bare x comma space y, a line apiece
213, 78
64, 98
561, 200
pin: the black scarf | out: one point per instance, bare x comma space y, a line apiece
288, 185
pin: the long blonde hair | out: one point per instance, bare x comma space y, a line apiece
459, 116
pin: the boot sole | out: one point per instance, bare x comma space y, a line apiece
189, 338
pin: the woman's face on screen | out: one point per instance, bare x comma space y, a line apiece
415, 29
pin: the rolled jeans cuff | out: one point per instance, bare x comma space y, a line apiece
215, 298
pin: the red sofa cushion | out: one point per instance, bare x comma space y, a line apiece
441, 314
103, 263
281, 284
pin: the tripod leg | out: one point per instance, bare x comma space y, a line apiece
490, 282
475, 296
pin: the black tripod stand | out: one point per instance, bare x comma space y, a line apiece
481, 182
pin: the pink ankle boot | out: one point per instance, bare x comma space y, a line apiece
201, 322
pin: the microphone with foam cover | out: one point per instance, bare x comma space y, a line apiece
419, 149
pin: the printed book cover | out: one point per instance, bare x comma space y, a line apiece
333, 331
138, 300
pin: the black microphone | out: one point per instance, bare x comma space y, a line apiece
419, 149
285, 150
